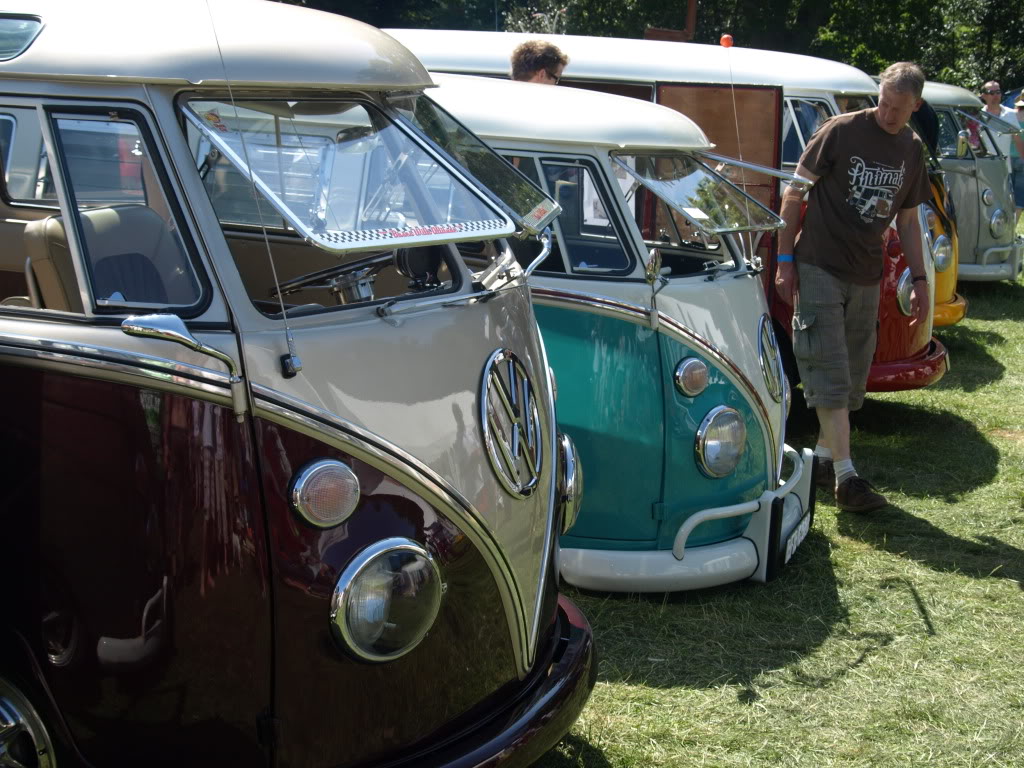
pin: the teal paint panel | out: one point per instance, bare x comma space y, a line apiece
687, 489
610, 402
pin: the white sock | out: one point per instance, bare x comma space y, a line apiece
844, 469
823, 452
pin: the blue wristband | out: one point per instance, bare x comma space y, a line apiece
784, 257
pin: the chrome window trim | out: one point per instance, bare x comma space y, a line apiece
639, 315
323, 425
117, 365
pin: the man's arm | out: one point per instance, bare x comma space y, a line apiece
785, 278
909, 230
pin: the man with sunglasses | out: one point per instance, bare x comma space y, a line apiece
992, 95
538, 61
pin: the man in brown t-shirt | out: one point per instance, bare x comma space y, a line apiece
868, 167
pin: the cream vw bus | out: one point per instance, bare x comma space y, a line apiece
978, 179
281, 477
738, 96
667, 368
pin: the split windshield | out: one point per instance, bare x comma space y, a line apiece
707, 203
340, 173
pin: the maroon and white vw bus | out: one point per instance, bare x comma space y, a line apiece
281, 480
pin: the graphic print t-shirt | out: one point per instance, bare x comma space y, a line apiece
867, 175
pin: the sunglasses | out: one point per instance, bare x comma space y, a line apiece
553, 76
992, 93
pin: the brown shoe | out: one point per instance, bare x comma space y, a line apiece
855, 494
824, 474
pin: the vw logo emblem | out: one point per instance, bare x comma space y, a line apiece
511, 423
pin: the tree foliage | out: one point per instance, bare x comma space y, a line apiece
965, 42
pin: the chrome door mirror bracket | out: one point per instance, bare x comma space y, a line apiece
545, 251
172, 328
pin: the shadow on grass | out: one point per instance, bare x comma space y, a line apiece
718, 636
900, 533
921, 452
1000, 300
973, 365
573, 752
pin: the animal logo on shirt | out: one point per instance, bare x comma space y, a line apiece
873, 188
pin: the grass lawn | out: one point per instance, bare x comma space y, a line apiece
892, 639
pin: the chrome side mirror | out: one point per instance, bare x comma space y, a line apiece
172, 328
545, 251
652, 272
962, 143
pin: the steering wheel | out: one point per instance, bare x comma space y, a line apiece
325, 278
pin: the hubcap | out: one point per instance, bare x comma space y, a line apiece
24, 741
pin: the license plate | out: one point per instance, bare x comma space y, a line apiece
797, 536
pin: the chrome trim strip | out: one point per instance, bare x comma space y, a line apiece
641, 315
323, 425
61, 347
124, 368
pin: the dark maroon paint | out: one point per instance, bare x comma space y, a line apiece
113, 492
115, 497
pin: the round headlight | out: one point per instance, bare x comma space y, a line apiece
942, 253
903, 288
997, 224
386, 600
721, 439
691, 376
570, 481
325, 493
987, 196
771, 361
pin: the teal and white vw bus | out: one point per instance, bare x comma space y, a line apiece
667, 369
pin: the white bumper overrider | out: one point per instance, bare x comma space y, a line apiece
779, 523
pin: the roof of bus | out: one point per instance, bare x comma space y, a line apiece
503, 109
943, 95
262, 43
609, 58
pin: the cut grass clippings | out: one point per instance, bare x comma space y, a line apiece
892, 639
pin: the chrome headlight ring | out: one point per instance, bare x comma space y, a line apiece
769, 358
570, 481
386, 600
942, 253
997, 224
903, 289
721, 441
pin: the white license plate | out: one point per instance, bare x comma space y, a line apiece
797, 536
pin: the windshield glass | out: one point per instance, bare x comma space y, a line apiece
515, 194
710, 203
342, 174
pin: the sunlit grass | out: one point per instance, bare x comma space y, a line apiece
894, 639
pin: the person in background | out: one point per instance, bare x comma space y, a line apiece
1017, 162
992, 94
867, 168
538, 61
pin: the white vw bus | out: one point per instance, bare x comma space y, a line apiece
752, 104
281, 481
651, 306
978, 179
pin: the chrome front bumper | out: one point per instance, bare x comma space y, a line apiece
779, 521
988, 269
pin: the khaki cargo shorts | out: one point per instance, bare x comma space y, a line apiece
835, 326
